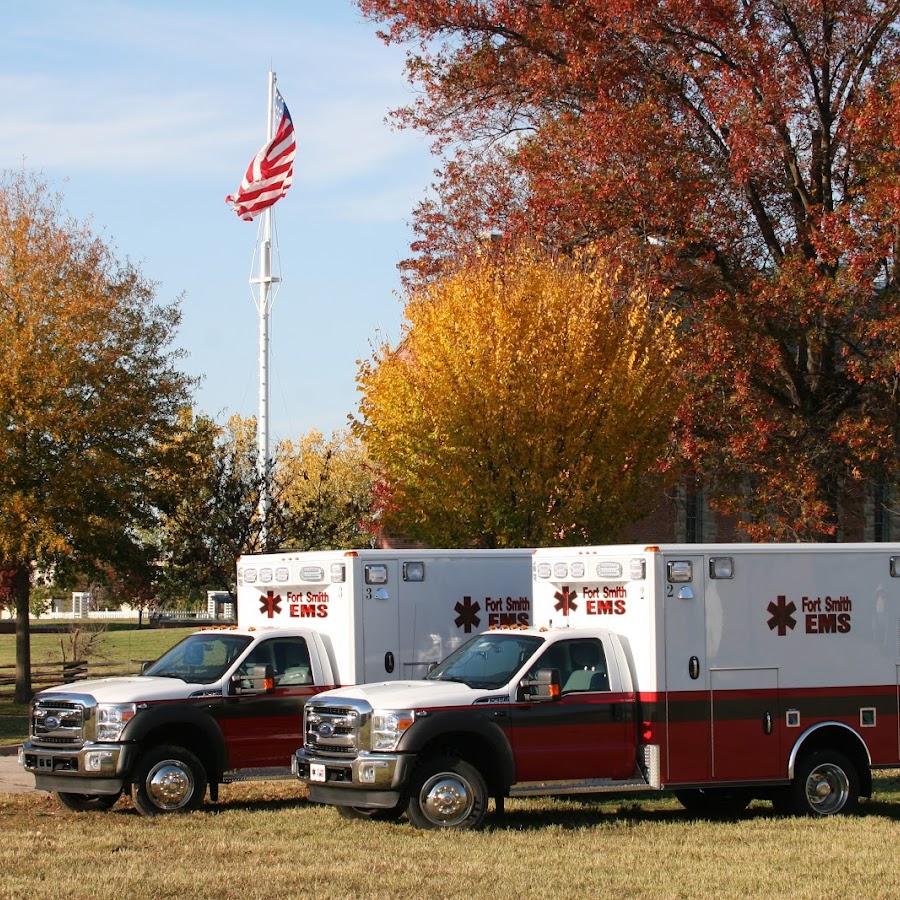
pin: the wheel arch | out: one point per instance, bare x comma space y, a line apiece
835, 736
194, 730
479, 742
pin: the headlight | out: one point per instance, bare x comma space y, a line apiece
388, 727
112, 718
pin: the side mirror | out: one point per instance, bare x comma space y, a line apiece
255, 679
545, 685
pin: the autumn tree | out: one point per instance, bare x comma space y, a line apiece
529, 403
325, 489
89, 391
742, 154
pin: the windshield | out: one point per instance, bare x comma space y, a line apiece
487, 661
200, 658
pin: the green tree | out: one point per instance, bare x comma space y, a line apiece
208, 507
325, 488
89, 392
530, 402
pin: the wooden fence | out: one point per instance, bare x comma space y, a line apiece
50, 674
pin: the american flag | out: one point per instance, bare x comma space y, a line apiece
271, 171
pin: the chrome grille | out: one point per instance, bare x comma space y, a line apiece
59, 722
336, 730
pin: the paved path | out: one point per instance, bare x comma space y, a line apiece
13, 778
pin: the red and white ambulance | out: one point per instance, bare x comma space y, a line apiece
720, 672
226, 704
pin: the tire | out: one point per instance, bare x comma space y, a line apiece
168, 779
375, 815
714, 802
447, 793
88, 802
825, 783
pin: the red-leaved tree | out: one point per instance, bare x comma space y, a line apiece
744, 152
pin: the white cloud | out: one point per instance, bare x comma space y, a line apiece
121, 113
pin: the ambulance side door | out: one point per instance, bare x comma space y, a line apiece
687, 706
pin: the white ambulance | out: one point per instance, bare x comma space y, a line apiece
390, 614
721, 672
226, 704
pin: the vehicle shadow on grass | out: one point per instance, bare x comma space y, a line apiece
588, 812
570, 812
260, 805
584, 813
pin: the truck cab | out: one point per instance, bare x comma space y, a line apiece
511, 712
221, 705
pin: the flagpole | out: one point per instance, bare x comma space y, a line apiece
266, 180
264, 307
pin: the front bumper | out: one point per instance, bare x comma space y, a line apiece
92, 769
370, 780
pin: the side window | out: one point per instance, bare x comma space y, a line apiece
289, 658
581, 664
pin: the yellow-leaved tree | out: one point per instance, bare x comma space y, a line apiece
529, 402
324, 489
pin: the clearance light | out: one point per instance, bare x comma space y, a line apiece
651, 549
315, 574
609, 569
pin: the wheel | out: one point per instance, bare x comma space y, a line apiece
88, 802
168, 779
377, 815
825, 783
718, 802
447, 793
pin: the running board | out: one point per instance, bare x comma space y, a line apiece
589, 786
271, 773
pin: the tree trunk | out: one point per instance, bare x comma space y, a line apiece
22, 590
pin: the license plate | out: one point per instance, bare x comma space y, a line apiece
316, 772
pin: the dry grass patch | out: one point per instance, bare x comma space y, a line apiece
266, 841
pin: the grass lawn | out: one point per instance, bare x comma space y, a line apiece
119, 645
265, 841
116, 645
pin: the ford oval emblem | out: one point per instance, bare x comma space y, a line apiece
326, 729
51, 723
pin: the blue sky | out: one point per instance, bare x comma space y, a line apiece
144, 114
